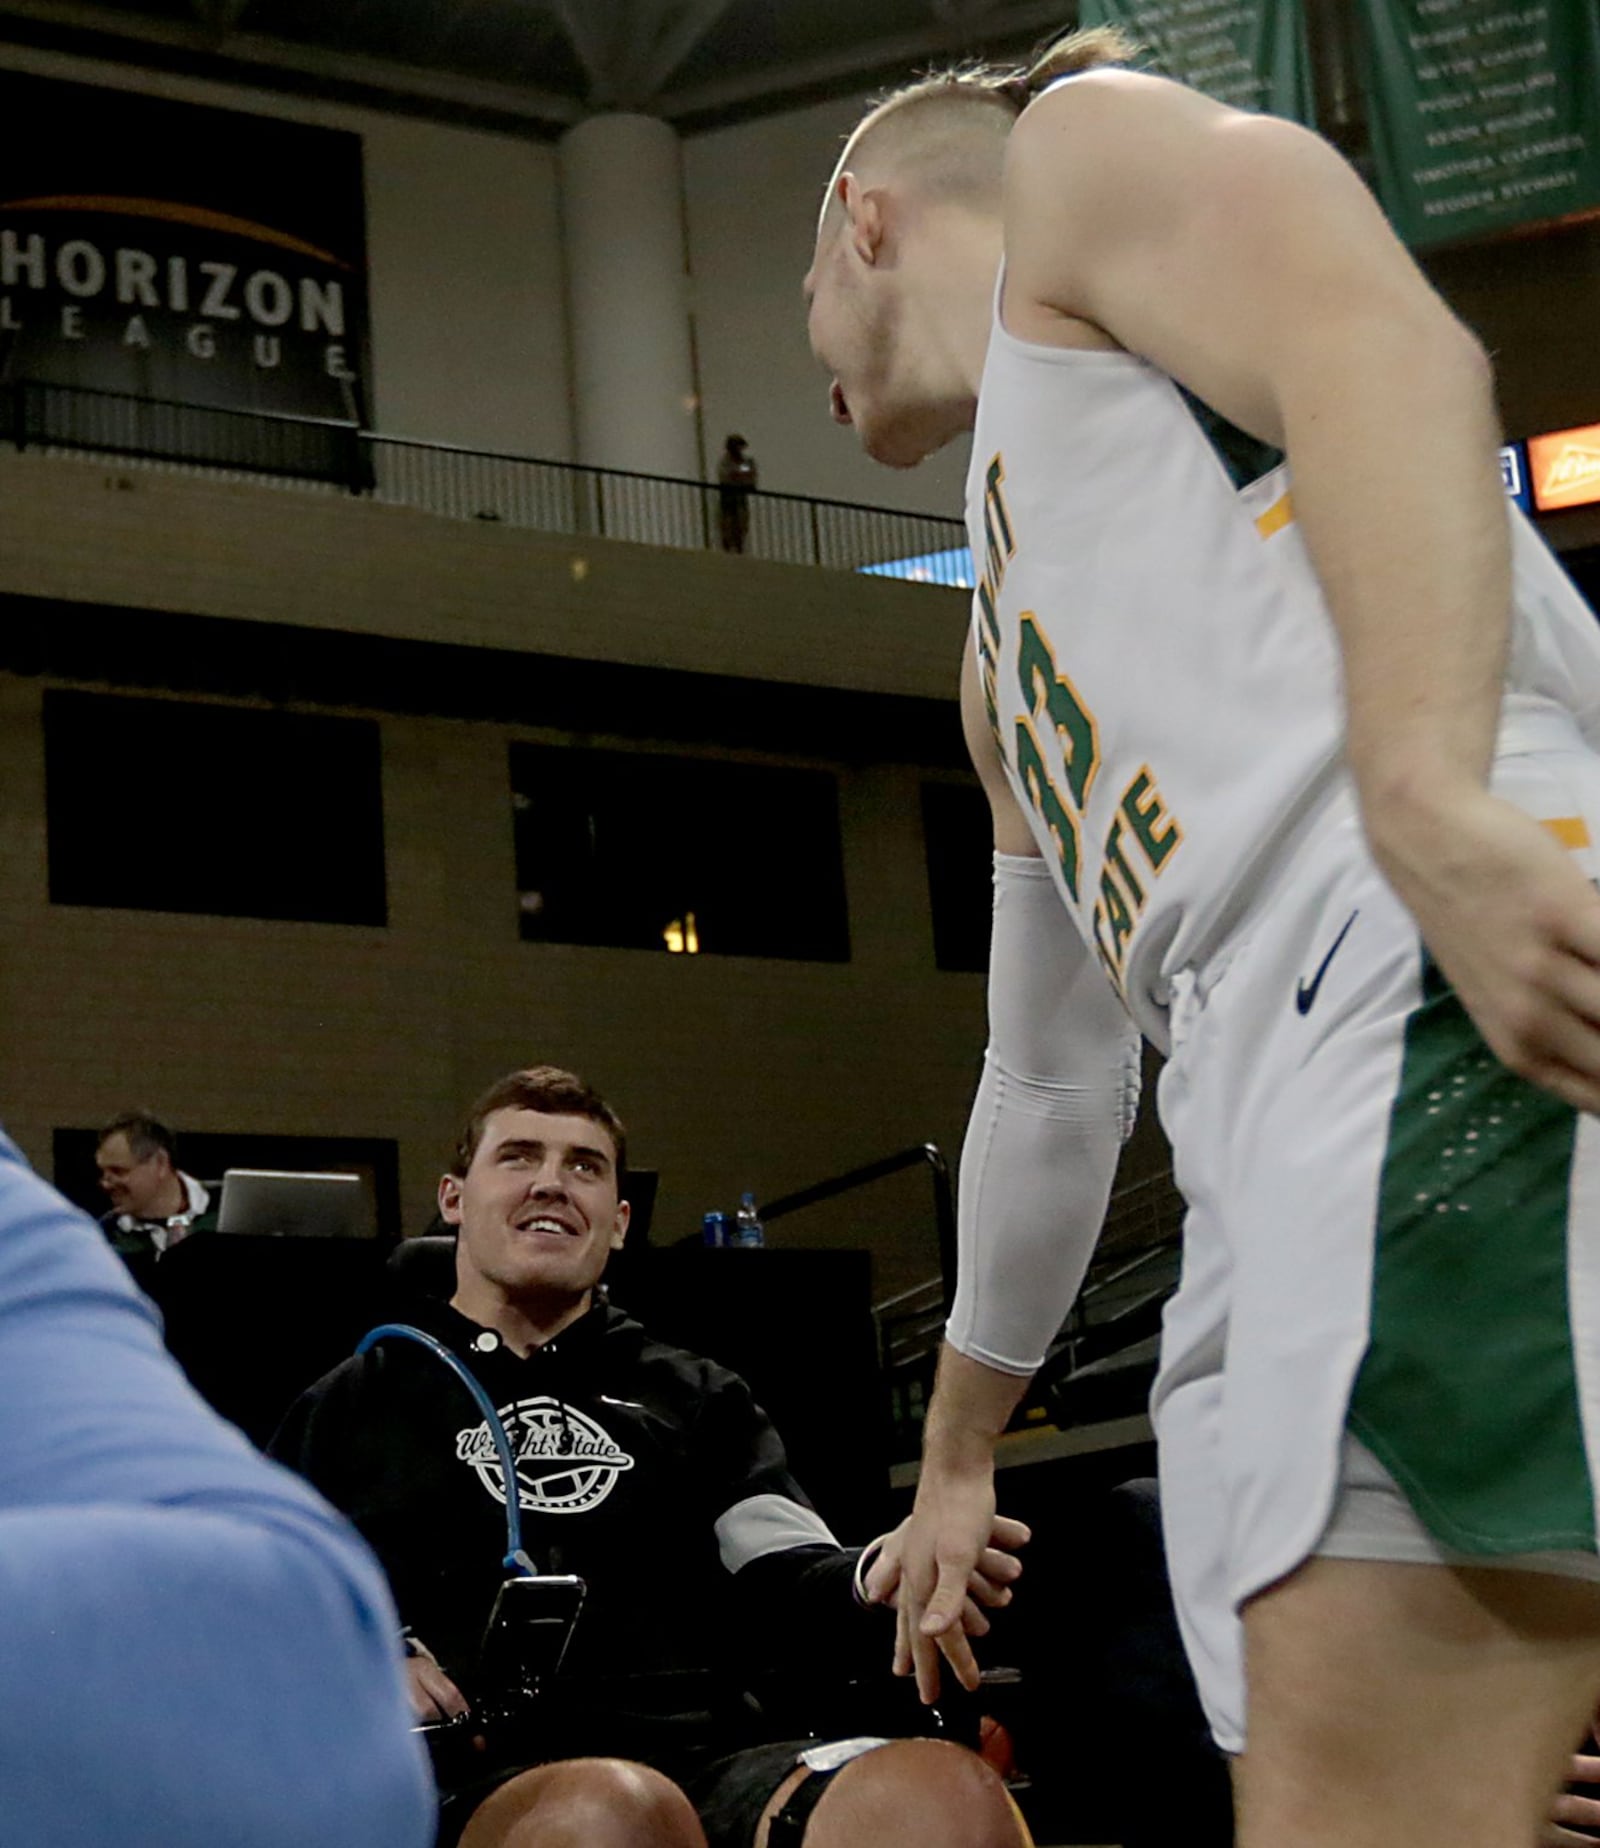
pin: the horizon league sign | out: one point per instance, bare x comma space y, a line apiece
169, 251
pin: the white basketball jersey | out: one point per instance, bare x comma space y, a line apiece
1159, 665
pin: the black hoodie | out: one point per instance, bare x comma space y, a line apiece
649, 1472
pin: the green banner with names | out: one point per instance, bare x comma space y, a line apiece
1485, 114
1252, 54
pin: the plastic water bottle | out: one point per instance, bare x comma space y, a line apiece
714, 1231
748, 1233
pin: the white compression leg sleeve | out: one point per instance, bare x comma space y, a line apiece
1058, 1096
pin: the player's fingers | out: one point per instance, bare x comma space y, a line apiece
1002, 1568
1578, 1088
1575, 984
1543, 1027
982, 1591
1009, 1533
434, 1696
452, 1702
1584, 1769
973, 1621
944, 1607
1578, 1812
1542, 1041
1579, 928
902, 1634
957, 1651
882, 1579
925, 1653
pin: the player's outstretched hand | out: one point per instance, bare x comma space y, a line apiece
1515, 925
988, 1584
940, 1546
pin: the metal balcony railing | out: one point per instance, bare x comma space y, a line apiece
464, 484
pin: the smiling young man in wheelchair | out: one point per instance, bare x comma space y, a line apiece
652, 1484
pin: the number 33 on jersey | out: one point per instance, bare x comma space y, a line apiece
1049, 741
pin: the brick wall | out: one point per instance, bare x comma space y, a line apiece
731, 1072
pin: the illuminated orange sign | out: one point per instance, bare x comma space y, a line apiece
1565, 468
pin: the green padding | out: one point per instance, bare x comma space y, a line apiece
1468, 1393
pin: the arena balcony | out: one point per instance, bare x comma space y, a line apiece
318, 456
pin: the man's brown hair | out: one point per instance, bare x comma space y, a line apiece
549, 1090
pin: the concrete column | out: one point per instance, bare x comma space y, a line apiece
627, 296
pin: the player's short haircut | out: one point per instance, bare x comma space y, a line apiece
147, 1135
552, 1092
949, 126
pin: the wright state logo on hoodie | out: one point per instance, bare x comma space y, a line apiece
566, 1463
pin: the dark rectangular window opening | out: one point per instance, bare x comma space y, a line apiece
959, 837
681, 854
226, 811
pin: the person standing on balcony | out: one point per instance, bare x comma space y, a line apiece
737, 476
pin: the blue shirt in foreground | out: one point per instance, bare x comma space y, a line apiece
195, 1650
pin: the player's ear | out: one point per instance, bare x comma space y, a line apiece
450, 1199
619, 1228
863, 208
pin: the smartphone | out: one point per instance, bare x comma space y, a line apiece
527, 1635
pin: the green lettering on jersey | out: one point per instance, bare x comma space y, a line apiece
988, 679
1146, 812
1117, 912
1117, 858
1046, 690
998, 544
991, 620
1046, 799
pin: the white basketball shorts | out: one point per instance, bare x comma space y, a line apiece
1386, 1340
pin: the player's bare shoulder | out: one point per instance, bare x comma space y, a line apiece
1078, 165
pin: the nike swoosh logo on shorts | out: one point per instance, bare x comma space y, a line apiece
1306, 992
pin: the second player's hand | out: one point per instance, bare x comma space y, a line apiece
1515, 925
940, 1545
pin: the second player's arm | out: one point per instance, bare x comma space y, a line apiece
1243, 257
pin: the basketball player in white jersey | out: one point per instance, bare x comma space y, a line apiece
1298, 780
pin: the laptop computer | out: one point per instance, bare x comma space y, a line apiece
269, 1203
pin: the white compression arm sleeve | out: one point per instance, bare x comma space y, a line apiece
1058, 1096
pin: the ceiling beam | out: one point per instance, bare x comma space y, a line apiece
651, 67
906, 48
253, 53
593, 36
962, 12
220, 16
